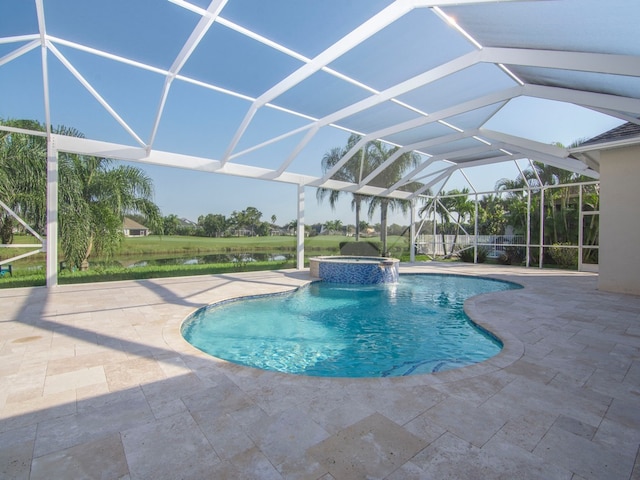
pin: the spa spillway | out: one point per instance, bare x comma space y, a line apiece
355, 270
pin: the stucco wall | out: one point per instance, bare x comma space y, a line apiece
620, 220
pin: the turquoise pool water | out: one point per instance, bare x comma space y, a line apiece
336, 330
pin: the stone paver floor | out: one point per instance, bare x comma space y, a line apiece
96, 382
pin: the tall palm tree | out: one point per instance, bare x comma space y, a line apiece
462, 206
379, 153
353, 171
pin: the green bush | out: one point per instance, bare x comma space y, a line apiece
467, 254
512, 256
564, 256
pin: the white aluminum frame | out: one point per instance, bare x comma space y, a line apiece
492, 146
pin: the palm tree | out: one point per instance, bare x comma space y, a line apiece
444, 206
462, 206
515, 205
22, 177
94, 199
379, 153
353, 171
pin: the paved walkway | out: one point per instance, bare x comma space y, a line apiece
96, 382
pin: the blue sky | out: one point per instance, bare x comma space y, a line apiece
201, 122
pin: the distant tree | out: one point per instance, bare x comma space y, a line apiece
247, 219
396, 229
262, 229
334, 226
170, 224
273, 219
213, 225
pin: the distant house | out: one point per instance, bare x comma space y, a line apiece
134, 229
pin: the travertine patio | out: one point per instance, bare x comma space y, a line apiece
96, 382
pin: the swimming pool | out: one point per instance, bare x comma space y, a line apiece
337, 330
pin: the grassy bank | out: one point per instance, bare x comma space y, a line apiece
31, 271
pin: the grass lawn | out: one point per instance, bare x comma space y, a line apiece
154, 244
31, 271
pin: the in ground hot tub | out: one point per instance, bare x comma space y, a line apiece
356, 270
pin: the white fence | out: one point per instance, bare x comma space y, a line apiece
435, 244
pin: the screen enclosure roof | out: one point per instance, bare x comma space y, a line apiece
263, 89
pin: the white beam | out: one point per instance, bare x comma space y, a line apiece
376, 23
340, 163
430, 76
42, 30
584, 98
303, 143
103, 54
188, 48
19, 38
543, 152
520, 142
585, 62
449, 171
420, 80
445, 156
85, 83
418, 146
464, 107
83, 146
18, 52
622, 116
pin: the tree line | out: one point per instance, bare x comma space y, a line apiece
248, 222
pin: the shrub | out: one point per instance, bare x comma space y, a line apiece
564, 256
512, 256
467, 255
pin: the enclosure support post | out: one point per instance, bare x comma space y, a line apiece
412, 232
475, 233
52, 214
580, 228
300, 233
541, 242
528, 251
435, 226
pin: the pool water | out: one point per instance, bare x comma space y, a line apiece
338, 330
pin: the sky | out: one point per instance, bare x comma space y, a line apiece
201, 123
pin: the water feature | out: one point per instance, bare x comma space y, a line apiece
354, 269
